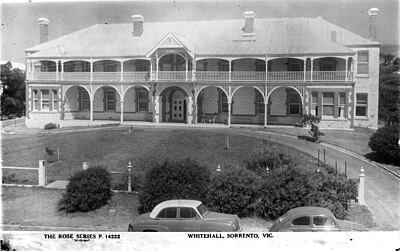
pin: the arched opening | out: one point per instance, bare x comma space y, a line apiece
247, 106
329, 69
76, 66
106, 103
106, 66
286, 69
76, 103
137, 105
212, 69
137, 69
212, 105
173, 105
285, 106
45, 66
248, 69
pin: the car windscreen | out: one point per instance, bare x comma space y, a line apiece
202, 210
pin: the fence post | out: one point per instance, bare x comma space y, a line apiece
42, 173
318, 157
129, 177
361, 187
324, 158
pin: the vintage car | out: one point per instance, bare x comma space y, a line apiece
312, 219
184, 215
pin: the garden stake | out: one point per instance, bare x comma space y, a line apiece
345, 168
335, 167
324, 157
318, 157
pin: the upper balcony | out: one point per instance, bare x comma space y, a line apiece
205, 70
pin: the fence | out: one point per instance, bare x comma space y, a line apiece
360, 180
40, 176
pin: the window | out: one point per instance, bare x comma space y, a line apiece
260, 107
323, 221
142, 100
45, 99
294, 103
84, 104
169, 213
314, 103
110, 100
187, 213
302, 221
328, 103
362, 103
362, 62
35, 100
342, 105
223, 102
55, 100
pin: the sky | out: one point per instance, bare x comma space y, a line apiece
20, 30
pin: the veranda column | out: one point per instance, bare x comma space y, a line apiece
62, 70
91, 96
194, 69
156, 67
186, 69
122, 111
229, 112
151, 69
122, 71
156, 109
346, 77
57, 70
91, 70
265, 113
230, 70
312, 66
305, 69
266, 69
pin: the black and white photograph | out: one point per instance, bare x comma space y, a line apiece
200, 125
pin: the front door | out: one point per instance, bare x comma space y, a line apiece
178, 107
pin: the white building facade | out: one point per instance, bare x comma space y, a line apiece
246, 71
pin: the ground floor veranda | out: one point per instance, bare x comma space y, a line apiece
191, 103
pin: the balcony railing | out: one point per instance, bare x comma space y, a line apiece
222, 76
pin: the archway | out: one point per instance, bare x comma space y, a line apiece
174, 105
76, 103
285, 106
212, 105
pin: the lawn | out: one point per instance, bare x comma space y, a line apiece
38, 206
113, 149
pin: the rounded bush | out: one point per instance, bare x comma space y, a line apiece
87, 190
284, 189
180, 179
384, 142
270, 157
233, 191
50, 126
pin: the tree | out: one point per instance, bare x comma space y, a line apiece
13, 96
313, 121
389, 89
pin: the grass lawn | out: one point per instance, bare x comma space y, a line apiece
353, 140
113, 149
37, 206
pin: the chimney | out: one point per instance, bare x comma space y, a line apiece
44, 29
373, 23
137, 21
249, 22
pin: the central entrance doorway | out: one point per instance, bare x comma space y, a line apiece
178, 107
174, 105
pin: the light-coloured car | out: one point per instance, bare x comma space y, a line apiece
184, 216
313, 219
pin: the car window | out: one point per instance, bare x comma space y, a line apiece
302, 221
202, 209
168, 213
323, 221
187, 213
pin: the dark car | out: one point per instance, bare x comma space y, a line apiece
312, 219
184, 215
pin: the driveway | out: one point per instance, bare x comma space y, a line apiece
382, 189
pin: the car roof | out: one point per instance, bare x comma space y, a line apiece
309, 210
173, 203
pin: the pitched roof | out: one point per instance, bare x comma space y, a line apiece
273, 36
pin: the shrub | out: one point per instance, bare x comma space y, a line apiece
50, 126
270, 157
313, 121
233, 191
288, 188
181, 179
384, 142
87, 190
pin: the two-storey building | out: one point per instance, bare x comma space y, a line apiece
266, 71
